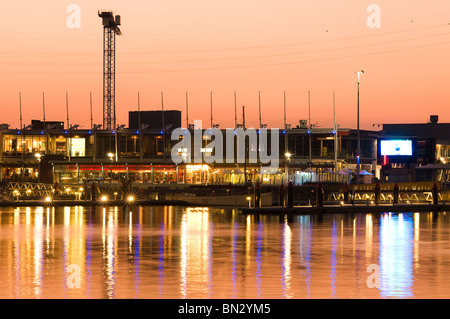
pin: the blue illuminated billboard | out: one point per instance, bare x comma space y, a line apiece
396, 148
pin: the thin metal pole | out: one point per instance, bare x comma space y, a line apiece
309, 126
141, 154
259, 103
94, 149
235, 110
67, 109
284, 103
139, 111
43, 107
187, 110
90, 104
45, 128
20, 109
163, 125
22, 133
358, 156
116, 144
245, 144
210, 97
68, 124
285, 128
335, 132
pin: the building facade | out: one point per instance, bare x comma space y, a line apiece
430, 156
76, 156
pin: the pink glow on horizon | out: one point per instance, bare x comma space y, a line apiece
244, 46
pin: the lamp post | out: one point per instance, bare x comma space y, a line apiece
111, 157
249, 199
38, 156
288, 159
358, 155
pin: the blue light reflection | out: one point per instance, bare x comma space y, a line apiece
396, 255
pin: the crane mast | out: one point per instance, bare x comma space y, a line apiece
110, 30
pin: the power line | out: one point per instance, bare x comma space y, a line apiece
247, 57
231, 49
290, 53
291, 62
259, 56
290, 44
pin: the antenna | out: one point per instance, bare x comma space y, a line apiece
67, 109
210, 95
309, 110
21, 133
309, 126
90, 103
284, 102
235, 110
259, 103
139, 111
187, 111
43, 107
245, 144
162, 110
334, 112
163, 125
20, 109
335, 133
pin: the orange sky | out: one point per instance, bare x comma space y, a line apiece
225, 46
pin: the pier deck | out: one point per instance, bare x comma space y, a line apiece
348, 208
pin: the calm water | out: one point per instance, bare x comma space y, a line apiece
176, 252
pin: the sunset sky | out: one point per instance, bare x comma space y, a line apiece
245, 46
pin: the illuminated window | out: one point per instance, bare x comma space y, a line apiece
77, 147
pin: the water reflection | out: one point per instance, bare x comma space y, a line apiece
396, 255
234, 240
195, 256
333, 260
134, 250
109, 250
286, 260
175, 252
305, 251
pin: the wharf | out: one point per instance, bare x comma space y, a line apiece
87, 203
347, 208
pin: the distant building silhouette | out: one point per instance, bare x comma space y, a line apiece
154, 119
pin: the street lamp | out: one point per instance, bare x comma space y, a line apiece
38, 156
288, 159
358, 155
111, 157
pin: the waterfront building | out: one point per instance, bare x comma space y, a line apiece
76, 156
430, 156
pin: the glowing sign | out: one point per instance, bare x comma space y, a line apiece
396, 147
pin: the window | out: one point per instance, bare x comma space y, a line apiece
77, 147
